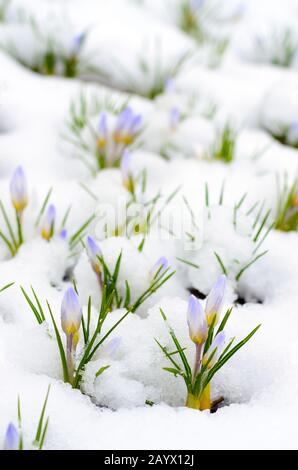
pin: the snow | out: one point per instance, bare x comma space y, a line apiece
260, 383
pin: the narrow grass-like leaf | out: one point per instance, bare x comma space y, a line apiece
43, 207
221, 263
60, 347
238, 276
101, 370
40, 423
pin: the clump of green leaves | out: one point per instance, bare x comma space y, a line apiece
4, 4
14, 436
286, 218
54, 56
101, 129
73, 366
224, 148
152, 75
260, 224
279, 48
212, 349
285, 134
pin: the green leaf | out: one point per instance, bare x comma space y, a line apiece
175, 372
60, 347
7, 286
32, 306
76, 236
164, 350
101, 370
43, 434
224, 320
127, 295
40, 423
228, 356
221, 263
43, 207
10, 231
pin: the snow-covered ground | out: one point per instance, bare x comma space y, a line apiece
180, 126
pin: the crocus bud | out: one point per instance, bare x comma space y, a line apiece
18, 190
197, 324
47, 229
102, 131
71, 313
293, 134
215, 299
174, 118
124, 119
159, 267
93, 252
126, 172
127, 126
135, 124
169, 85
77, 42
63, 234
12, 438
218, 344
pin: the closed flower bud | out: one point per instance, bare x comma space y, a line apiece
102, 134
197, 324
218, 344
93, 252
18, 190
126, 172
215, 300
12, 438
71, 313
159, 267
47, 229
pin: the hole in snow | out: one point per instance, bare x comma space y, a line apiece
196, 293
242, 300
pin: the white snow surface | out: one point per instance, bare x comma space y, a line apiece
260, 383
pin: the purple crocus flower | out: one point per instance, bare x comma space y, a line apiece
71, 313
18, 190
196, 320
12, 438
93, 252
215, 300
47, 229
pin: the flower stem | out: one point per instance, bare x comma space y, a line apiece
19, 225
201, 402
197, 364
70, 358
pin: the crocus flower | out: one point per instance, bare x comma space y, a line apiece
93, 252
77, 42
127, 126
12, 438
196, 319
174, 118
18, 190
47, 229
71, 313
196, 4
218, 344
293, 133
215, 299
63, 234
126, 171
135, 124
169, 85
159, 267
102, 131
